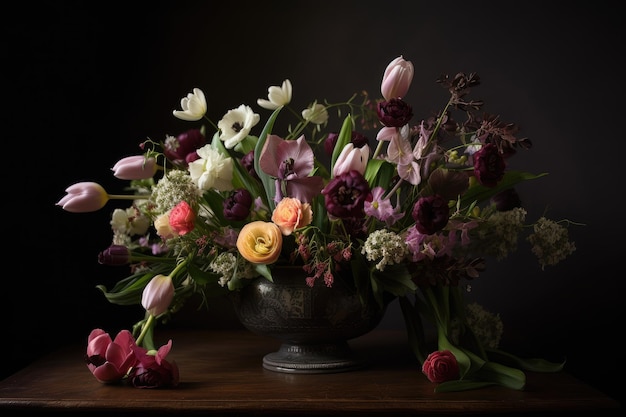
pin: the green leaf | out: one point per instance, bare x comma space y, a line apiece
502, 375
479, 192
345, 136
414, 329
266, 180
527, 364
462, 385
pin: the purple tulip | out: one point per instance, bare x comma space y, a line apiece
84, 197
178, 148
114, 255
136, 167
237, 206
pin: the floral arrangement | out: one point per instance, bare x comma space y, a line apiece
413, 210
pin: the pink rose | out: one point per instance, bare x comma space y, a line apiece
182, 218
441, 366
291, 214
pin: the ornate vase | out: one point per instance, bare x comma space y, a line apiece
313, 323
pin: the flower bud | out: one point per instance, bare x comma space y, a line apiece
352, 158
114, 255
193, 106
394, 112
237, 206
158, 295
441, 366
136, 167
397, 78
84, 197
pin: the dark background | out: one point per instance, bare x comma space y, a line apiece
86, 82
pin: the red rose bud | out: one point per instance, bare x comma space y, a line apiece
489, 165
431, 214
114, 255
441, 366
394, 113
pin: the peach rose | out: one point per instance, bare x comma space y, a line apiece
291, 214
162, 226
260, 242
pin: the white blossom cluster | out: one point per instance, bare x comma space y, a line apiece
173, 188
386, 247
226, 264
550, 242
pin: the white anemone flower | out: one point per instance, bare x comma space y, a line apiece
277, 96
212, 170
235, 126
316, 113
193, 106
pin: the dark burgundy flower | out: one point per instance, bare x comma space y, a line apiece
154, 371
114, 255
431, 214
489, 165
176, 149
394, 113
248, 163
507, 200
358, 140
237, 206
345, 195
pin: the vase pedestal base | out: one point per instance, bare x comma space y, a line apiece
319, 358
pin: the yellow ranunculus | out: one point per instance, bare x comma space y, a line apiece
260, 242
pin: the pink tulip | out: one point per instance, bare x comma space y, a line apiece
136, 167
154, 371
397, 79
110, 360
84, 197
158, 295
352, 158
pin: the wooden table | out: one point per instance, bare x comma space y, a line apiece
222, 374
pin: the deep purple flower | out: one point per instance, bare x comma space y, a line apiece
248, 163
237, 206
154, 371
177, 148
394, 113
507, 200
114, 255
489, 165
346, 194
431, 214
358, 140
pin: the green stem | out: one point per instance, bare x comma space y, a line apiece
128, 196
144, 329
